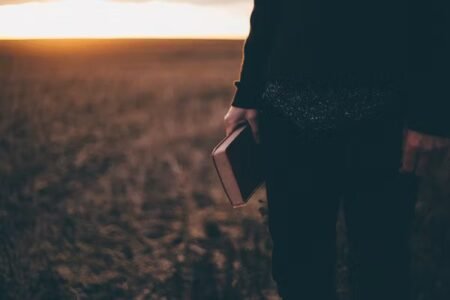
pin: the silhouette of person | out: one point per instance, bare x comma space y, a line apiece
348, 100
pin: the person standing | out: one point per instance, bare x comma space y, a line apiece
348, 100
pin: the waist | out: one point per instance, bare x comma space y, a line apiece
332, 78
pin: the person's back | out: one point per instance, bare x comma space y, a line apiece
324, 38
322, 61
403, 42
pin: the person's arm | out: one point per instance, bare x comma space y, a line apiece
427, 133
429, 78
428, 110
255, 54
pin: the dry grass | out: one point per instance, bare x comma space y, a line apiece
107, 188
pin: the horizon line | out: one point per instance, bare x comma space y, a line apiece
30, 38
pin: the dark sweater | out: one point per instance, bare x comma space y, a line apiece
398, 43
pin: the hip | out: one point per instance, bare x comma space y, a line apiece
313, 112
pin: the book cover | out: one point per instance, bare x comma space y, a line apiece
238, 162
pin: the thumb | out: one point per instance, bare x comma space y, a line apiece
254, 125
409, 159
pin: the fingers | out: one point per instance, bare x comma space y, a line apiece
409, 159
233, 119
254, 125
237, 116
232, 125
430, 159
416, 159
423, 163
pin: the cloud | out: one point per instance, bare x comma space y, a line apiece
204, 2
4, 2
201, 2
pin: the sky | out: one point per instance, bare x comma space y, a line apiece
23, 19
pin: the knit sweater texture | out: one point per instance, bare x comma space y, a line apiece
404, 44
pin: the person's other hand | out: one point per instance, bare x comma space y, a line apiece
237, 115
419, 149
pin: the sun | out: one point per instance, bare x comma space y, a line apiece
110, 19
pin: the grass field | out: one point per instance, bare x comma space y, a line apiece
108, 191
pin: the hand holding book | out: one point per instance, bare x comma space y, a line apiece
238, 161
237, 115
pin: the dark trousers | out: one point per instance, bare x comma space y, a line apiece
305, 184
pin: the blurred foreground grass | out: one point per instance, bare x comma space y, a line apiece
108, 191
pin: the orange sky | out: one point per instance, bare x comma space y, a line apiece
122, 18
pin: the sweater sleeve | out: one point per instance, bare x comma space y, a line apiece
255, 55
429, 77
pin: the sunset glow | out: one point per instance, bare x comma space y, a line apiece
114, 19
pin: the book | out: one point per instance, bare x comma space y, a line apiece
238, 161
